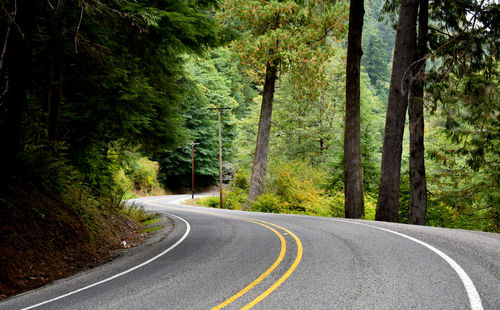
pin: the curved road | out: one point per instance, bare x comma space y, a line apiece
214, 259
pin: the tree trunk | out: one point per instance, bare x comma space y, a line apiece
322, 147
353, 169
55, 106
262, 145
404, 48
17, 60
418, 184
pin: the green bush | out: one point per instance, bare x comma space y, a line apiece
122, 181
293, 187
370, 206
240, 181
144, 173
235, 199
134, 175
269, 203
211, 202
337, 203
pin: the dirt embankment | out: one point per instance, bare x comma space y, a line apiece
43, 239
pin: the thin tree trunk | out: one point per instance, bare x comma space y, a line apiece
17, 58
418, 184
353, 169
404, 47
55, 106
262, 145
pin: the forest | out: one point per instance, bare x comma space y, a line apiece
101, 100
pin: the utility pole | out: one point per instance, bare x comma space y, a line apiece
219, 109
192, 169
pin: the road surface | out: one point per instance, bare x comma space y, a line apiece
213, 259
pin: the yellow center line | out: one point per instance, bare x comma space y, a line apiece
280, 281
287, 273
264, 275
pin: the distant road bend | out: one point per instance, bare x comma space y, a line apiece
223, 259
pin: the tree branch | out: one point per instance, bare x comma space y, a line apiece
78, 30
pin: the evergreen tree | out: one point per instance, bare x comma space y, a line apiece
80, 76
353, 172
418, 182
278, 35
211, 81
388, 196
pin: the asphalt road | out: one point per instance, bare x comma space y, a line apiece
209, 258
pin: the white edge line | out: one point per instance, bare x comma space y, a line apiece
473, 295
121, 273
474, 298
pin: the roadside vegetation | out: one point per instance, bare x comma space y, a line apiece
100, 101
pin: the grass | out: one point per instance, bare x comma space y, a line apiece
154, 219
151, 229
129, 195
192, 202
136, 213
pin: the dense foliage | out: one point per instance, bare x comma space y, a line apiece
461, 122
212, 81
96, 74
100, 98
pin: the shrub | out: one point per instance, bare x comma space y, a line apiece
122, 181
337, 203
211, 202
240, 181
370, 206
269, 203
235, 199
144, 173
301, 188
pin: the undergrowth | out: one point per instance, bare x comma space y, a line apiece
297, 188
56, 219
294, 188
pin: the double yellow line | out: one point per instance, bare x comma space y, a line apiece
287, 274
276, 263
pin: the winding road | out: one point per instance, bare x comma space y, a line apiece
222, 259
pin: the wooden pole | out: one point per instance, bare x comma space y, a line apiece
220, 160
192, 169
220, 151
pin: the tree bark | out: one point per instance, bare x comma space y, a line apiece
404, 48
418, 183
262, 145
353, 169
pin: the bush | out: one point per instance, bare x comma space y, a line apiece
370, 206
135, 175
123, 182
240, 181
235, 199
337, 204
211, 202
301, 189
268, 203
144, 173
293, 187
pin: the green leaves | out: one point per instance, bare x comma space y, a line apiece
291, 32
107, 71
212, 81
